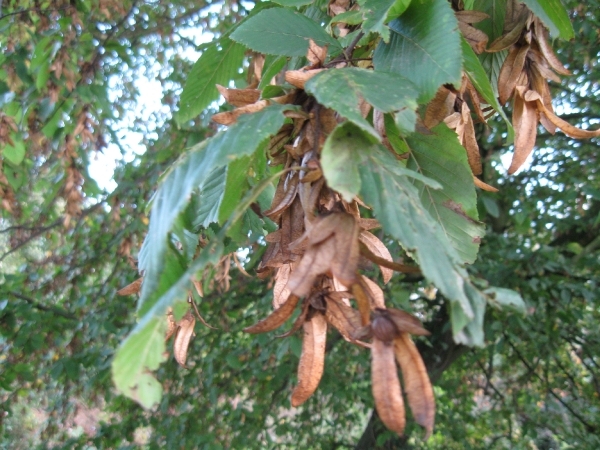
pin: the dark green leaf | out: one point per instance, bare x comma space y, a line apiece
375, 12
424, 47
440, 156
218, 65
342, 89
280, 31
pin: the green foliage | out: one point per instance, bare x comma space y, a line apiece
423, 48
554, 16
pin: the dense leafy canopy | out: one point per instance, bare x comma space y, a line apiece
347, 106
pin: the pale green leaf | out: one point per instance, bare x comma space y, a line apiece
388, 188
342, 89
218, 64
14, 153
191, 173
210, 198
554, 15
140, 354
144, 349
424, 47
235, 187
506, 298
292, 3
281, 31
273, 65
440, 156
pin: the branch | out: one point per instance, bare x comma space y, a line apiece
53, 309
38, 10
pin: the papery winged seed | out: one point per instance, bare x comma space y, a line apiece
476, 100
171, 325
276, 318
368, 224
284, 197
453, 121
541, 37
481, 185
316, 55
525, 119
364, 251
477, 39
239, 97
183, 337
363, 302
230, 117
471, 16
566, 127
470, 142
316, 261
297, 78
312, 359
132, 288
510, 72
386, 387
510, 38
440, 107
406, 322
374, 292
416, 382
299, 320
378, 248
280, 289
344, 318
345, 260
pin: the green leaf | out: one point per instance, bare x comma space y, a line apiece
440, 156
506, 298
14, 153
350, 17
375, 13
218, 65
140, 354
397, 9
144, 349
273, 65
280, 31
236, 186
424, 47
191, 173
476, 74
292, 3
388, 188
554, 15
210, 198
341, 90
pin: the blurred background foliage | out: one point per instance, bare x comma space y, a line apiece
71, 74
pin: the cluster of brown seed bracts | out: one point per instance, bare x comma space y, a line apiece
523, 77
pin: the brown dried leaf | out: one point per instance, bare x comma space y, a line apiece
239, 97
566, 127
481, 185
344, 318
297, 78
316, 261
477, 39
471, 16
299, 320
280, 289
183, 337
440, 107
525, 120
364, 251
469, 141
386, 386
171, 325
406, 322
132, 288
368, 224
379, 249
541, 36
312, 359
363, 301
285, 196
230, 117
416, 382
510, 72
509, 38
316, 55
373, 291
276, 318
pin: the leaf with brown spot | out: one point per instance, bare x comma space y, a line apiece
379, 249
312, 359
416, 382
183, 337
386, 386
276, 318
132, 288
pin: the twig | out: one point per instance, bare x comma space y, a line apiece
53, 309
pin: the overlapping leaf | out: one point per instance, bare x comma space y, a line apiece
554, 15
423, 47
342, 90
280, 31
218, 64
455, 205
